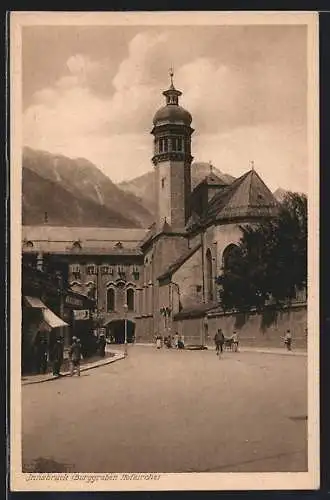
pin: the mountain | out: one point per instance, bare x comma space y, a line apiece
63, 208
143, 187
96, 200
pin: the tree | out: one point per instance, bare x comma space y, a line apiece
270, 260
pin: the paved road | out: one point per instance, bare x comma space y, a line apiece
172, 411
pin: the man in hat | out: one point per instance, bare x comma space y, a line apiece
75, 356
219, 340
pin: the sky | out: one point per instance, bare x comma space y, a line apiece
91, 92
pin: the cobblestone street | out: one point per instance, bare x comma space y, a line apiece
171, 411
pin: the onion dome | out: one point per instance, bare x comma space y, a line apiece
172, 112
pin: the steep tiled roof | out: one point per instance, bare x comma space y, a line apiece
212, 179
178, 263
247, 196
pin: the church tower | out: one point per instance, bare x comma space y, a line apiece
172, 160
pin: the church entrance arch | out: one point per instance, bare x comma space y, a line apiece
115, 330
209, 276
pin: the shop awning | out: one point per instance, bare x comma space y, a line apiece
35, 302
49, 317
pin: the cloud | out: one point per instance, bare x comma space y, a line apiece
276, 150
242, 109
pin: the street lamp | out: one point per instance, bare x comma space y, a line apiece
125, 341
165, 311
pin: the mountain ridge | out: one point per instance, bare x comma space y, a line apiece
75, 192
85, 181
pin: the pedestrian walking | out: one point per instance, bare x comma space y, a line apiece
288, 340
158, 342
44, 356
181, 342
75, 356
219, 340
101, 345
57, 356
176, 340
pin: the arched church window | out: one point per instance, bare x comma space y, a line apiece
110, 299
163, 145
130, 299
180, 143
230, 255
209, 275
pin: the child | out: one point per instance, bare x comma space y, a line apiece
235, 341
288, 340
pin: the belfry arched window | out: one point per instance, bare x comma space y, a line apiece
177, 144
111, 299
209, 275
130, 299
163, 145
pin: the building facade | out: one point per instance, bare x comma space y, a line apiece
162, 277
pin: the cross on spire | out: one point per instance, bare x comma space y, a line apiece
252, 164
171, 73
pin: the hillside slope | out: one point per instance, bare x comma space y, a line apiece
85, 181
40, 196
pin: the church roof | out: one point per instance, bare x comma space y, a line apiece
178, 263
212, 179
247, 196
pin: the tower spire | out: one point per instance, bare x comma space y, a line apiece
171, 73
172, 94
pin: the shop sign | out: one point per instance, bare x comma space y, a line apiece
73, 301
81, 314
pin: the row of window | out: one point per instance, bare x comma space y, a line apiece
106, 270
111, 299
166, 144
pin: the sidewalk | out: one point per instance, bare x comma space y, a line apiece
261, 350
37, 379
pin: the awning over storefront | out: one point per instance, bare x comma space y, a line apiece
35, 302
49, 317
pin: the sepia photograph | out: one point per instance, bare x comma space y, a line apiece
164, 257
